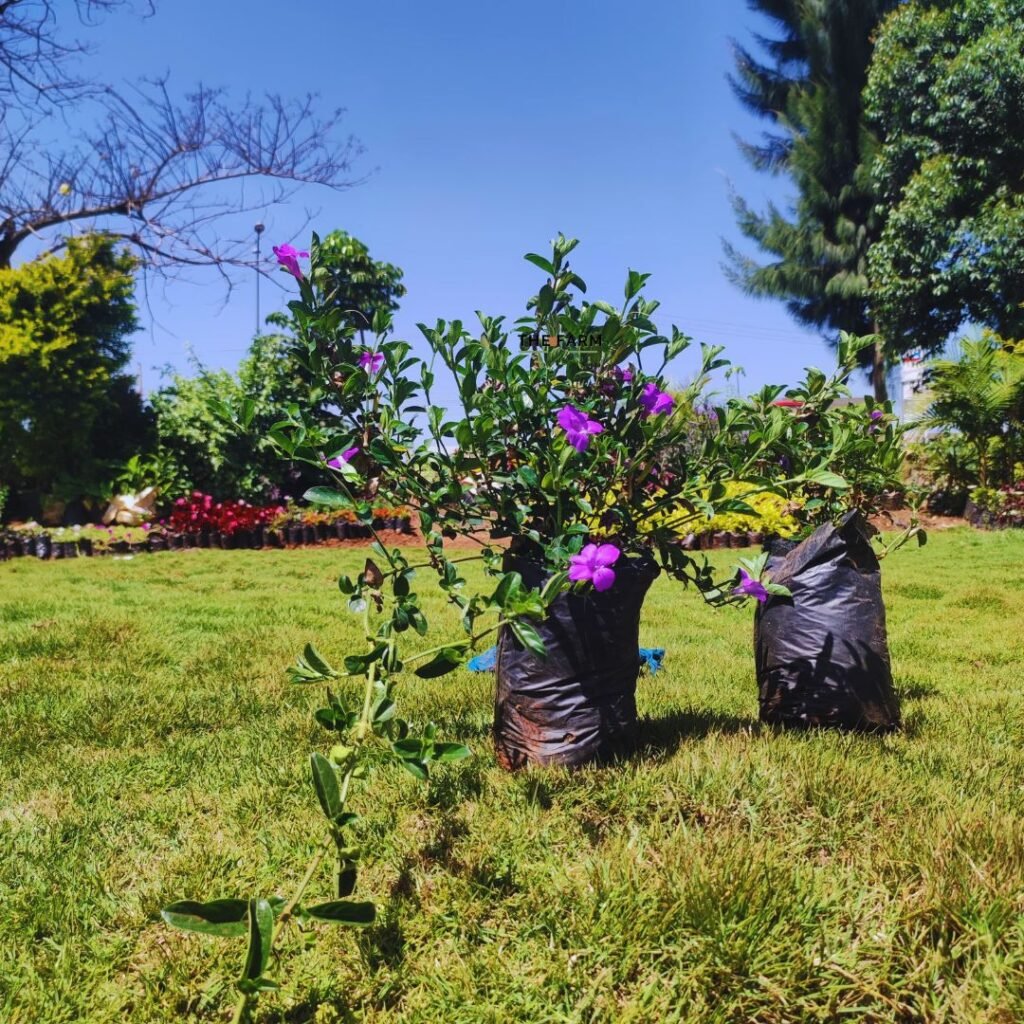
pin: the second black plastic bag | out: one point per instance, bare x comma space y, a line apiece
578, 704
822, 656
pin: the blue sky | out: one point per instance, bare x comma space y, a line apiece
487, 129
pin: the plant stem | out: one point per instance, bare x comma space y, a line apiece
242, 1006
420, 655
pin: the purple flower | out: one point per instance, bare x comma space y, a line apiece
371, 362
615, 380
288, 257
578, 427
345, 457
749, 587
592, 564
654, 402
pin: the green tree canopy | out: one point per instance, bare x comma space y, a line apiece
808, 86
213, 456
67, 409
360, 284
946, 92
208, 453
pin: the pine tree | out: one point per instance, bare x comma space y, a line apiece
809, 87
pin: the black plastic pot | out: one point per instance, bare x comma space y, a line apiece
577, 705
42, 546
85, 546
822, 655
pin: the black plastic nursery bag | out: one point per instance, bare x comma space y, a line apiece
578, 704
822, 656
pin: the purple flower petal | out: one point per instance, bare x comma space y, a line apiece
340, 460
749, 587
371, 362
592, 563
570, 418
654, 401
288, 257
578, 427
606, 554
578, 572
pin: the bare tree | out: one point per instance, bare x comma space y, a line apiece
166, 175
36, 62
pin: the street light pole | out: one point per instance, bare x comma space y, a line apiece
259, 231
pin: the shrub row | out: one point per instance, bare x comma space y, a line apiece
65, 544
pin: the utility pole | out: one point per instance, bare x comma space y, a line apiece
259, 231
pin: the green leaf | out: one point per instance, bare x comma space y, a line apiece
826, 478
316, 661
445, 661
261, 932
357, 664
528, 636
383, 453
529, 476
411, 747
325, 781
218, 917
345, 880
246, 413
540, 261
344, 912
327, 496
510, 584
384, 710
451, 752
418, 769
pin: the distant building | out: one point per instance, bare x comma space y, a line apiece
915, 395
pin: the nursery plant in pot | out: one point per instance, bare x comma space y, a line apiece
550, 470
545, 447
821, 651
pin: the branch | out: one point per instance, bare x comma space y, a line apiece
174, 171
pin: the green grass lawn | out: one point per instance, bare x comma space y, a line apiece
150, 749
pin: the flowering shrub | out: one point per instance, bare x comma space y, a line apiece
770, 514
824, 454
564, 438
200, 512
567, 444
